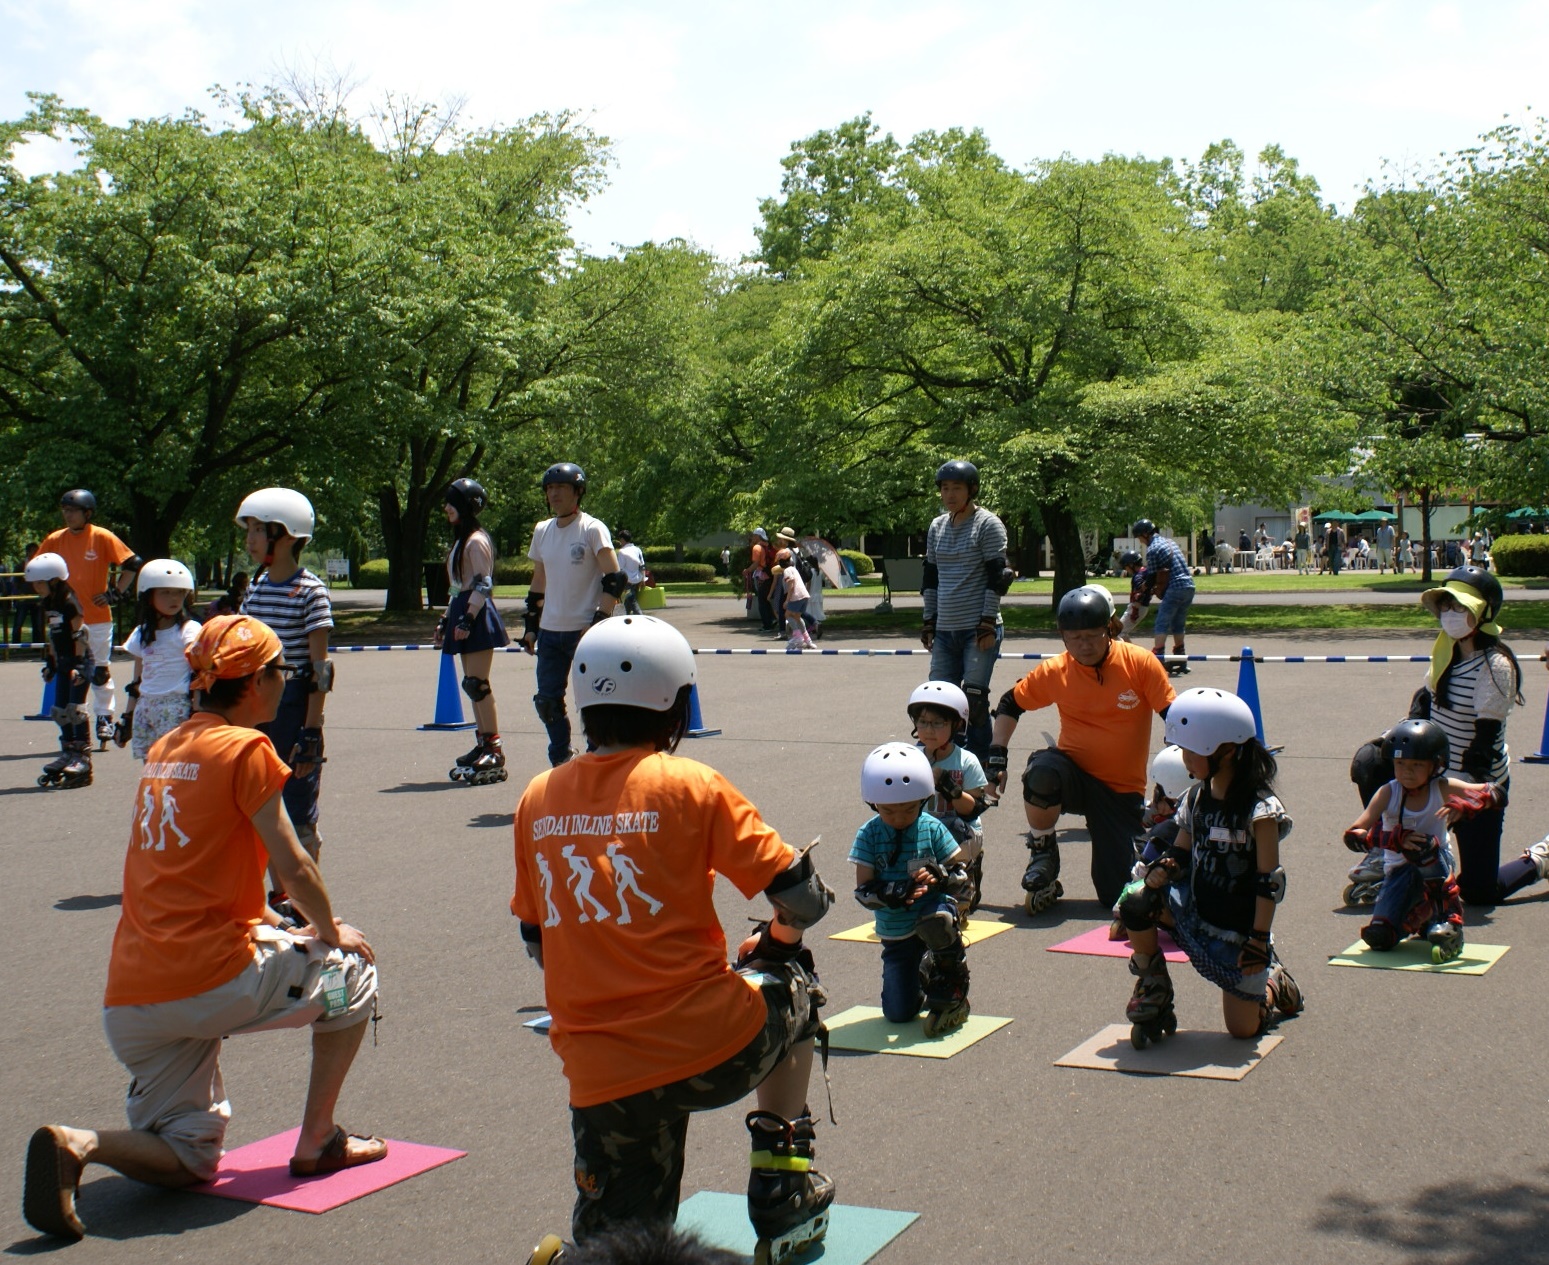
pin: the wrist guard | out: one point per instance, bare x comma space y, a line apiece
995, 761
532, 614
1477, 799
532, 941
47, 671
132, 689
928, 633
761, 946
112, 595
946, 787
466, 623
1255, 954
597, 617
1358, 840
308, 748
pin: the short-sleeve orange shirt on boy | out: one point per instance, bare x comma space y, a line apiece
616, 858
194, 875
88, 553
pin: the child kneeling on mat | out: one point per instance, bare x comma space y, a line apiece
1216, 888
1410, 819
909, 872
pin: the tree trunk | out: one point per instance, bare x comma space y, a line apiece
403, 533
1425, 534
1029, 543
1065, 543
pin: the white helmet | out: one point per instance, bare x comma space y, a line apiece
633, 661
896, 773
1168, 772
164, 573
941, 694
1104, 594
1202, 721
46, 566
284, 506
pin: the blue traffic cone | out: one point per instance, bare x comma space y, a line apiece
696, 722
46, 707
1541, 756
1248, 690
449, 702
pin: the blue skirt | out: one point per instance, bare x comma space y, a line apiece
489, 630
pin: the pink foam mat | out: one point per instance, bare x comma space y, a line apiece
1095, 943
260, 1173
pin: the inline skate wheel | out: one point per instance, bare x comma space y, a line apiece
787, 1246
44, 779
1043, 898
1440, 953
550, 1250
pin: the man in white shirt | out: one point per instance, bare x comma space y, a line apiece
576, 582
633, 563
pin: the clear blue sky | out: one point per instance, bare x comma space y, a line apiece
702, 100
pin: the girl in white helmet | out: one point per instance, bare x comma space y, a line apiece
1218, 886
165, 627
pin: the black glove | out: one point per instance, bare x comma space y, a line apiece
308, 748
995, 763
946, 787
123, 730
114, 595
48, 670
928, 633
598, 617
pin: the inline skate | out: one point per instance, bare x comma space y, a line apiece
1446, 937
788, 1200
1041, 879
1283, 993
1365, 880
70, 768
485, 764
1150, 1008
946, 991
104, 732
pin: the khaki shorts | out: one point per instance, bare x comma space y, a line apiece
172, 1048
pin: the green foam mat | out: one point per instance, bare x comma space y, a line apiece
1415, 955
854, 1234
864, 1028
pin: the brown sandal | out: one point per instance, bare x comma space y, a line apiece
48, 1192
336, 1155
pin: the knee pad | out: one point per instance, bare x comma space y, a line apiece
978, 705
477, 688
100, 674
1140, 906
938, 929
1042, 786
1380, 934
550, 710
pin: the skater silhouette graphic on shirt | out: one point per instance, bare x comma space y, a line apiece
625, 876
546, 877
147, 816
581, 880
169, 821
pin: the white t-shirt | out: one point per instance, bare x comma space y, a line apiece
163, 669
632, 563
572, 579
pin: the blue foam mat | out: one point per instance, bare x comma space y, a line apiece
854, 1234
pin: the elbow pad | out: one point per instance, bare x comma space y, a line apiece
998, 575
1270, 884
615, 584
799, 894
483, 584
1008, 706
929, 577
132, 564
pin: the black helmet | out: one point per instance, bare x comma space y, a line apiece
1478, 579
1418, 740
959, 472
566, 472
1142, 527
1086, 607
466, 496
1129, 558
81, 499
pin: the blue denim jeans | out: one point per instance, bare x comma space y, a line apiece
902, 994
1403, 886
1173, 614
955, 656
555, 651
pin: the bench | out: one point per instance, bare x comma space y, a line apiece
900, 575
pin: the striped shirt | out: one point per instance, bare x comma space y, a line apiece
963, 596
291, 609
1481, 687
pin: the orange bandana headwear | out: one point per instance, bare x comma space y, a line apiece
230, 646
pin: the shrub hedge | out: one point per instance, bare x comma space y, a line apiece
1520, 555
373, 574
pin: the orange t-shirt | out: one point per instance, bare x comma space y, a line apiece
88, 553
616, 858
1105, 724
194, 876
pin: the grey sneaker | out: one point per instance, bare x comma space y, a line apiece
1538, 854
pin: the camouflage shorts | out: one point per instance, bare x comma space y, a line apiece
629, 1152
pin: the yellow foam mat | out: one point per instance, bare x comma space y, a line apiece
978, 929
1415, 955
864, 1028
1211, 1056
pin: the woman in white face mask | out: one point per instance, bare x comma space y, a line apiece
1473, 683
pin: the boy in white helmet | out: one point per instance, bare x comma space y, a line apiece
908, 871
939, 712
294, 604
617, 852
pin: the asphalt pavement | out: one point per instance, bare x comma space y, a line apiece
1401, 1119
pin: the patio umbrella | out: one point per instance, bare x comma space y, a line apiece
1371, 516
1527, 511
